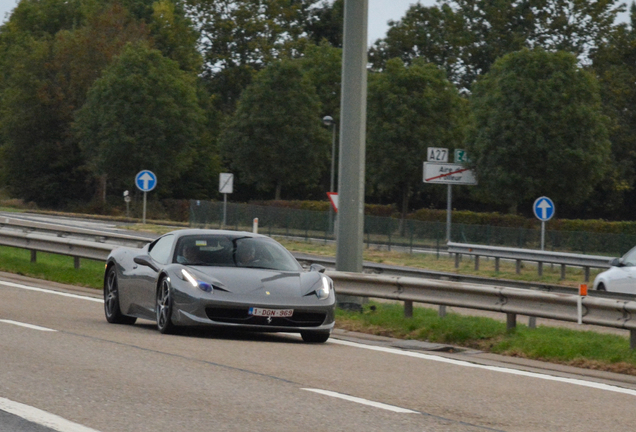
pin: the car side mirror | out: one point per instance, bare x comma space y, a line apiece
616, 262
317, 268
145, 261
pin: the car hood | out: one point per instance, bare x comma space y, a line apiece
256, 281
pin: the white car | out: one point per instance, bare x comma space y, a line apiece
621, 277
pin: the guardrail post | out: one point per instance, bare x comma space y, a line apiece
511, 321
540, 268
76, 262
457, 258
408, 309
632, 339
587, 274
441, 311
562, 271
497, 264
476, 262
518, 266
532, 322
33, 256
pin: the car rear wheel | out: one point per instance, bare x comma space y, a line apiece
315, 336
111, 300
164, 307
600, 287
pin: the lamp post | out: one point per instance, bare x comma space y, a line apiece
329, 121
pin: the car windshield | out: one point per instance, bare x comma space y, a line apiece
234, 251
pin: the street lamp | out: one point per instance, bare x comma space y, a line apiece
329, 121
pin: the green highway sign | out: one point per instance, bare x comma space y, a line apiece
461, 156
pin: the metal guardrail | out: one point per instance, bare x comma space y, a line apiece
540, 302
511, 301
540, 257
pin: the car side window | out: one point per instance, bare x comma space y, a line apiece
160, 251
630, 258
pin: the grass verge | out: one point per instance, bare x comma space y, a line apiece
52, 267
585, 349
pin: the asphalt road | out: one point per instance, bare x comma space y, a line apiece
71, 371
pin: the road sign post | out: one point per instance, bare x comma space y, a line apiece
226, 186
146, 181
127, 200
543, 209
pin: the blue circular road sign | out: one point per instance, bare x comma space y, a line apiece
543, 208
146, 180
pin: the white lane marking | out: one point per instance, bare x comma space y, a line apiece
31, 326
579, 382
362, 401
30, 288
40, 417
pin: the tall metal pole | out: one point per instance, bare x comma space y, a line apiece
351, 169
449, 200
333, 172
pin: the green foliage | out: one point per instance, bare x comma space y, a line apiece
326, 22
466, 37
543, 343
538, 130
615, 65
143, 113
57, 268
276, 139
174, 35
41, 162
409, 109
240, 37
322, 64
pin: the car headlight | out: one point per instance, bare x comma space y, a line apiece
323, 292
195, 283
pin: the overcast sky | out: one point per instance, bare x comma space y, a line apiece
380, 12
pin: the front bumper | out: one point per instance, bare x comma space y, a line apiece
221, 309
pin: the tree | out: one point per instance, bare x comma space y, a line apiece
466, 37
143, 113
322, 64
326, 23
275, 138
40, 163
538, 130
410, 108
614, 63
240, 37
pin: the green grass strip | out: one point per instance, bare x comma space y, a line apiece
52, 267
557, 345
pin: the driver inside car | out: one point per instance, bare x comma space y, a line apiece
246, 255
189, 254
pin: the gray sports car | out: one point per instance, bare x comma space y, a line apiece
233, 279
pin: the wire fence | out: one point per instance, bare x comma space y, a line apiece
410, 234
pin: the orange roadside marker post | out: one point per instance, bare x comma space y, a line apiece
579, 302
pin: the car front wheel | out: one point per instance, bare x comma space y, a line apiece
600, 287
314, 336
164, 308
111, 300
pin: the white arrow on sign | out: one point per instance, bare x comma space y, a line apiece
146, 178
544, 206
